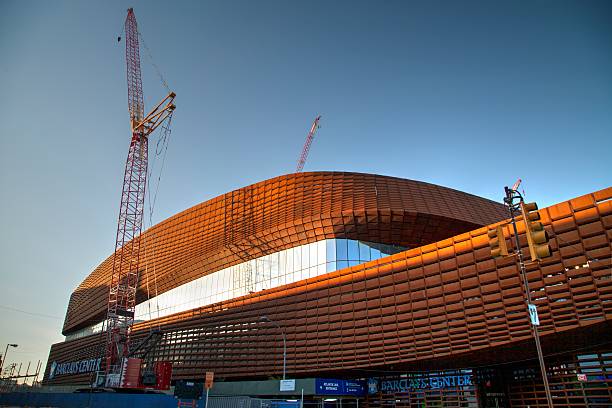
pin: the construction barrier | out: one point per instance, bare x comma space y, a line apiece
95, 400
103, 400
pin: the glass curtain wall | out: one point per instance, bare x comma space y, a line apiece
277, 269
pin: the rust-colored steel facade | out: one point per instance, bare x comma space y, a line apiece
285, 212
444, 304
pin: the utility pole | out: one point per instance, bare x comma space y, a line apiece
512, 195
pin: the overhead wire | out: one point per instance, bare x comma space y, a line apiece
556, 236
589, 259
14, 309
121, 32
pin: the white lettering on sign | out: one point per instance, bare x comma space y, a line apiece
74, 367
404, 385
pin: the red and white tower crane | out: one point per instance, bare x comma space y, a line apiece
306, 149
126, 260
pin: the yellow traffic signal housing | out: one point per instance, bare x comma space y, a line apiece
497, 242
537, 238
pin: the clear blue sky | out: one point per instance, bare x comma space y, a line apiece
452, 93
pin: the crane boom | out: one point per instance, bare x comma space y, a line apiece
126, 259
134, 77
306, 148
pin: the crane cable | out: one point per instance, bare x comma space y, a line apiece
149, 57
161, 149
152, 62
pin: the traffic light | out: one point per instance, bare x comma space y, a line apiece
537, 238
497, 242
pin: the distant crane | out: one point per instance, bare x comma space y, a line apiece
306, 149
126, 259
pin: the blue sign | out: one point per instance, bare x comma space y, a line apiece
328, 386
354, 387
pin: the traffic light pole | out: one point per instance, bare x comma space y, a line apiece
511, 195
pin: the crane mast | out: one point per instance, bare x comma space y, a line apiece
306, 148
126, 259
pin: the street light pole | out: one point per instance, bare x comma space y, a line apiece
511, 195
267, 319
4, 356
